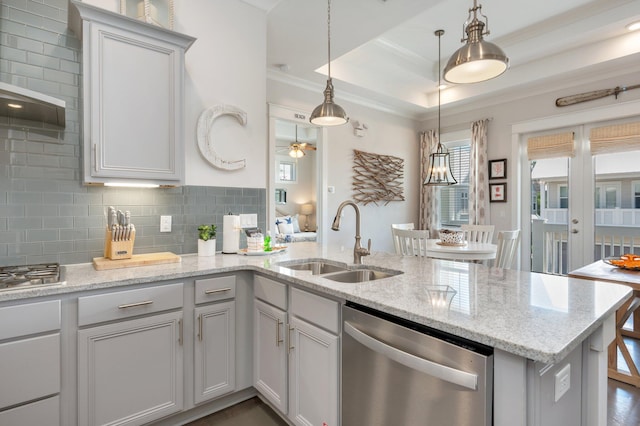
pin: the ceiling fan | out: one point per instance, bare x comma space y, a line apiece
297, 149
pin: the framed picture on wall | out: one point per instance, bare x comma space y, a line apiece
498, 192
498, 169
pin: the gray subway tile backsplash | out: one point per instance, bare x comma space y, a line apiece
46, 214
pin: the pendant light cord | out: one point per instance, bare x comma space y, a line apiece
439, 33
329, 35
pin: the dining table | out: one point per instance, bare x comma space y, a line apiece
468, 250
602, 271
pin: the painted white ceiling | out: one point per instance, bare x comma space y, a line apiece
385, 54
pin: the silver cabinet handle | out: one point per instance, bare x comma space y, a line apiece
278, 339
219, 290
458, 377
200, 327
180, 331
291, 347
136, 304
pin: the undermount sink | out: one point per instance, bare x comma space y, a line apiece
360, 275
340, 272
317, 268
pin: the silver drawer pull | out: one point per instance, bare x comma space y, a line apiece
133, 305
219, 290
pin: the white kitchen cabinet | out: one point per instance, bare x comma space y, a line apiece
30, 367
297, 352
133, 98
130, 372
214, 338
313, 374
270, 354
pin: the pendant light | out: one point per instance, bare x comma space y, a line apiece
328, 113
478, 60
439, 162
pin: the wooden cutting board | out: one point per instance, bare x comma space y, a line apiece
102, 263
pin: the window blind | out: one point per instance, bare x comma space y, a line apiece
617, 138
551, 146
454, 199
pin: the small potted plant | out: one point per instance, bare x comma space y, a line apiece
206, 240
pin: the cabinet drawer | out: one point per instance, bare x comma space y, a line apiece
30, 369
212, 289
45, 412
270, 291
125, 304
32, 318
315, 309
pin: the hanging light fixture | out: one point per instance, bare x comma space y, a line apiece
478, 60
295, 149
328, 113
439, 162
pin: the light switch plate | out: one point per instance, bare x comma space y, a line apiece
165, 223
562, 382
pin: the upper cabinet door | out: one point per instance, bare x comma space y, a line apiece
133, 97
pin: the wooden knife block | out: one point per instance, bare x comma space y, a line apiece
118, 249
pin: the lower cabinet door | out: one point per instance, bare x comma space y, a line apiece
270, 354
313, 375
215, 369
130, 372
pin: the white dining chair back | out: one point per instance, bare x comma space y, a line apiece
478, 233
411, 242
507, 246
399, 226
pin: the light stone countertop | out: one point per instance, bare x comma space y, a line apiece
536, 316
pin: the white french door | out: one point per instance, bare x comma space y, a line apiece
583, 202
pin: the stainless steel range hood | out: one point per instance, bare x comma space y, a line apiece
25, 104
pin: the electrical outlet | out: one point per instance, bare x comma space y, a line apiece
563, 381
165, 223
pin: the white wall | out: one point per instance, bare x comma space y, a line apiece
505, 115
388, 135
226, 65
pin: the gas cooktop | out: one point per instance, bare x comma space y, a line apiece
18, 277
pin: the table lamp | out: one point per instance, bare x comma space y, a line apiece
306, 210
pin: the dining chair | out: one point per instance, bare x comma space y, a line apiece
507, 245
411, 242
399, 226
478, 233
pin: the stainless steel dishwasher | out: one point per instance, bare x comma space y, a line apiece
396, 372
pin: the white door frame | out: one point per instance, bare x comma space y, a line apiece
279, 112
522, 216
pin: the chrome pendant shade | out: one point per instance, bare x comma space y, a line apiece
328, 113
439, 172
478, 60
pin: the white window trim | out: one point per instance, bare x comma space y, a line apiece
603, 196
562, 185
633, 192
287, 160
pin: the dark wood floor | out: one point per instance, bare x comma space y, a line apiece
623, 407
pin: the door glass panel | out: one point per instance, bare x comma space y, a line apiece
617, 204
549, 215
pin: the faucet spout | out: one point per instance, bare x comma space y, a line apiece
358, 250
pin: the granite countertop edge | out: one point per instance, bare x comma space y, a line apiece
83, 277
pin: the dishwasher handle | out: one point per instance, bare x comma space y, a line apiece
458, 377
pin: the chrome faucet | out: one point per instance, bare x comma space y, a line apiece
358, 250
